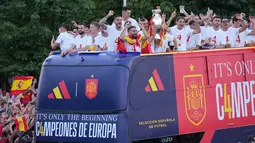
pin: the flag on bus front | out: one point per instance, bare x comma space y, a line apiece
21, 124
21, 84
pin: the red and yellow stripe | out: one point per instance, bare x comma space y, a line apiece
155, 83
65, 94
131, 41
21, 124
150, 28
146, 47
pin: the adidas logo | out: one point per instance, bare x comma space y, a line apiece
155, 83
57, 93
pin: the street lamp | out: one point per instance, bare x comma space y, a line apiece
124, 3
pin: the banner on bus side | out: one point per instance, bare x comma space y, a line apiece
106, 128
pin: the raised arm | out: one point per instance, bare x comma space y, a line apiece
163, 28
123, 33
185, 13
153, 33
54, 44
252, 20
252, 24
75, 24
145, 33
171, 18
189, 17
163, 19
102, 21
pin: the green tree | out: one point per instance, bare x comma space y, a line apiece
142, 8
27, 27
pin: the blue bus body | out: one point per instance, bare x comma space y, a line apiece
103, 98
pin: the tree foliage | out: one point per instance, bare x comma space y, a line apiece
28, 25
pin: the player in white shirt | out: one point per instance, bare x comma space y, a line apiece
238, 31
250, 39
133, 41
99, 41
82, 41
113, 31
194, 40
64, 40
215, 37
246, 31
225, 26
104, 35
151, 33
241, 38
181, 32
145, 23
126, 12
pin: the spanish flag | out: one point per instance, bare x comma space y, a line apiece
162, 34
120, 46
146, 47
150, 28
21, 124
21, 84
131, 41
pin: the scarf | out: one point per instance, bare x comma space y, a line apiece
131, 41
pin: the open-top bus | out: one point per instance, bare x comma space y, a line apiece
189, 97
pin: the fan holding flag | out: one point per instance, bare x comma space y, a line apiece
20, 86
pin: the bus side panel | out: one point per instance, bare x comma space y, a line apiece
191, 80
215, 91
152, 107
234, 135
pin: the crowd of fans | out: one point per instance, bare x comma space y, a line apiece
190, 32
13, 108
